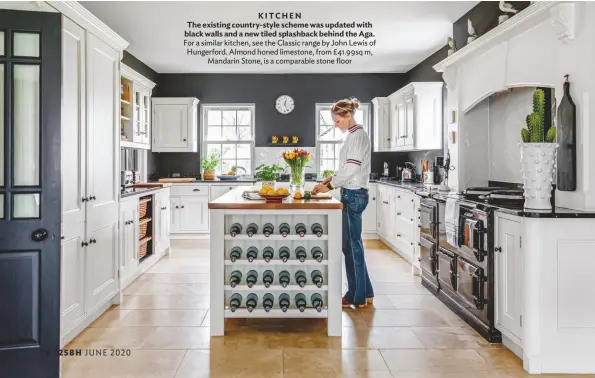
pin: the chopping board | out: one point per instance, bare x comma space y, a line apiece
178, 180
314, 198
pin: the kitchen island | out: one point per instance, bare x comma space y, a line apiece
275, 260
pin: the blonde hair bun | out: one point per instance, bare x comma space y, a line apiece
347, 105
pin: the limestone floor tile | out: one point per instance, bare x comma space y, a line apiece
403, 318
266, 363
188, 338
436, 361
415, 302
380, 337
139, 364
399, 288
332, 363
180, 267
158, 288
112, 338
164, 318
111, 318
390, 275
175, 278
279, 339
164, 302
375, 244
449, 337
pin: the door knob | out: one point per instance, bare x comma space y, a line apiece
84, 244
196, 190
92, 241
84, 199
92, 198
39, 235
498, 249
182, 207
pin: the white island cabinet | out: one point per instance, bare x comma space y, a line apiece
262, 266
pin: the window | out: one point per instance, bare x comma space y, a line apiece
329, 140
228, 130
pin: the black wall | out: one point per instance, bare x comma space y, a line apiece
132, 62
262, 90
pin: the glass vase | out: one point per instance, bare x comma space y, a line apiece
297, 180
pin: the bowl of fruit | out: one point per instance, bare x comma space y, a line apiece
271, 195
231, 175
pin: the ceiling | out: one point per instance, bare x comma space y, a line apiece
405, 32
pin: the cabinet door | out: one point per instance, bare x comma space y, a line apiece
72, 289
369, 215
137, 124
165, 224
103, 79
509, 270
399, 138
170, 126
145, 110
101, 277
194, 214
394, 125
174, 205
74, 124
409, 121
128, 237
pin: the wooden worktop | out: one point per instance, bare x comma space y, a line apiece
234, 200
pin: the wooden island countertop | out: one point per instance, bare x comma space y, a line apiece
234, 200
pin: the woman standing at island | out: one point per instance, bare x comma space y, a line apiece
352, 177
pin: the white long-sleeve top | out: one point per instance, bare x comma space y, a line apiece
354, 161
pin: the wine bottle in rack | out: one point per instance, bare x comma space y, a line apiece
268, 229
317, 278
300, 254
268, 253
235, 302
284, 254
251, 302
235, 278
268, 278
252, 254
317, 229
267, 301
317, 301
284, 302
284, 278
284, 229
251, 278
317, 254
300, 278
251, 229
300, 301
236, 253
235, 229
300, 228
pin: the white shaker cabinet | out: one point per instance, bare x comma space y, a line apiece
509, 276
135, 109
382, 124
189, 209
369, 215
128, 239
162, 219
175, 124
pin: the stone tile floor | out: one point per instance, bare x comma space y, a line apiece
164, 321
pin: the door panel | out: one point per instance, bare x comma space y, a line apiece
174, 205
145, 117
194, 213
101, 269
509, 266
410, 121
73, 123
164, 118
73, 270
102, 85
30, 116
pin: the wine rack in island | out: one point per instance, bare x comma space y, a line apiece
276, 264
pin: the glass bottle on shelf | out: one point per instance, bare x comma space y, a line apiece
300, 301
300, 254
235, 278
317, 254
252, 254
268, 278
300, 229
284, 254
251, 302
317, 229
284, 278
268, 253
284, 302
267, 301
317, 278
300, 278
235, 229
251, 278
235, 301
284, 229
268, 229
236, 253
251, 229
317, 302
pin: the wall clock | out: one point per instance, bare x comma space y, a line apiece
284, 104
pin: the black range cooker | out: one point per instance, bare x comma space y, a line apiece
461, 273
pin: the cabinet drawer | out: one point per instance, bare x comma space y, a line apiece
190, 190
405, 228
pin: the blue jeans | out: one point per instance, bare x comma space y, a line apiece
358, 280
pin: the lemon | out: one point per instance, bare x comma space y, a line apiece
298, 195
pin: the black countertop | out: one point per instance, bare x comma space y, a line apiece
138, 191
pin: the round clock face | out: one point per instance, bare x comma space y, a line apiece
284, 104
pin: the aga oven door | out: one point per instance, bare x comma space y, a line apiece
472, 287
447, 273
473, 237
427, 256
427, 219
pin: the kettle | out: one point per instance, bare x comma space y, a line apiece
407, 173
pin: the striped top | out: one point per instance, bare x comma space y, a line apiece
354, 161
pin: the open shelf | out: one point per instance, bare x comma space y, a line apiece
276, 288
276, 313
275, 263
144, 220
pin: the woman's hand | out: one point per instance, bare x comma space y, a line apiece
327, 180
319, 188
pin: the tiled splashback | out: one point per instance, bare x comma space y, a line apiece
272, 155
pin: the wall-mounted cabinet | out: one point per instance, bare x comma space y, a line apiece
411, 119
135, 109
175, 124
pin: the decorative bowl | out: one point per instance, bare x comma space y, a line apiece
274, 198
227, 177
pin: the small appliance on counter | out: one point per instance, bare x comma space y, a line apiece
438, 163
135, 177
399, 173
126, 179
407, 174
385, 173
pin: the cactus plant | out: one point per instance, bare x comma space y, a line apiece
535, 131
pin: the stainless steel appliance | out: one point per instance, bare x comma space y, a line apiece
126, 179
428, 243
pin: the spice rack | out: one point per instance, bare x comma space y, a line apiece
145, 227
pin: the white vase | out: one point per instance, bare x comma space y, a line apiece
538, 163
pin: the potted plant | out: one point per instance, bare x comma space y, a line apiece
209, 164
538, 156
268, 174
